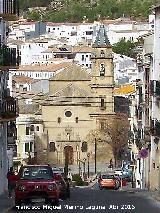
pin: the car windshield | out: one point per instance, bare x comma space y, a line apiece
107, 176
36, 172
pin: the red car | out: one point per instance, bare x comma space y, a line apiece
36, 184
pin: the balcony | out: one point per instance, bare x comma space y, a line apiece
8, 109
8, 57
9, 9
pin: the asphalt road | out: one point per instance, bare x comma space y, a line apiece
95, 200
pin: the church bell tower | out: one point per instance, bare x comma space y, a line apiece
102, 77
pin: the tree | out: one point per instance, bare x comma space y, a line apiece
125, 48
114, 130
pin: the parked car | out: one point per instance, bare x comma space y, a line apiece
108, 181
36, 184
122, 180
118, 172
63, 184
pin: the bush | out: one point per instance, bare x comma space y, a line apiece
79, 182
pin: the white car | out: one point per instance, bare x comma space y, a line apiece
118, 172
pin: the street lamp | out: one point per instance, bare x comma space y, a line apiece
84, 168
78, 157
88, 155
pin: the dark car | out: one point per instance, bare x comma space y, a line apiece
63, 184
36, 184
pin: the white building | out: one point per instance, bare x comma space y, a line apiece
125, 69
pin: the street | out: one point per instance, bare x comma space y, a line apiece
95, 200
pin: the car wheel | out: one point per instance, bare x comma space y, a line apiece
116, 188
100, 187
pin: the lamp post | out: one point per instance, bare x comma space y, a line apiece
95, 156
78, 159
88, 155
84, 168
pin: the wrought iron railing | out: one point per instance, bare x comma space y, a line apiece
8, 109
9, 7
8, 57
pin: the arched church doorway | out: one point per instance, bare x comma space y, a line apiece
68, 154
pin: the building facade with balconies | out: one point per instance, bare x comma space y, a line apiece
8, 105
147, 110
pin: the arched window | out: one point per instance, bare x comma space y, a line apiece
102, 69
52, 147
32, 128
84, 147
37, 128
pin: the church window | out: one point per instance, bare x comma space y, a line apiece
102, 124
27, 130
68, 136
68, 113
76, 119
102, 69
102, 102
52, 147
37, 128
32, 128
84, 147
102, 53
59, 120
82, 57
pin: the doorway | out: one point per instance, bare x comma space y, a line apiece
68, 155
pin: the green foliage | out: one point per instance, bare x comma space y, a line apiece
33, 16
25, 4
77, 178
125, 48
75, 11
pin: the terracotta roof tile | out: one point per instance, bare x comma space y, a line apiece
22, 79
43, 68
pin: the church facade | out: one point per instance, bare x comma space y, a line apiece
70, 111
